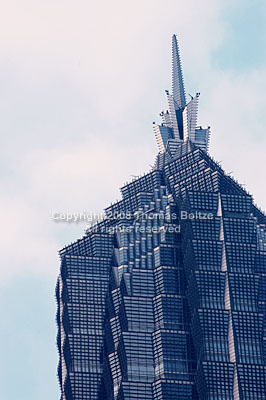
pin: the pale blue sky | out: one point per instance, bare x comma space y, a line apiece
80, 84
243, 48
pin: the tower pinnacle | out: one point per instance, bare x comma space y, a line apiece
179, 122
177, 76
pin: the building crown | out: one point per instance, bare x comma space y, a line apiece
179, 122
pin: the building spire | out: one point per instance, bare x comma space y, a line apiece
179, 122
177, 76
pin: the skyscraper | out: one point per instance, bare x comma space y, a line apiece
165, 298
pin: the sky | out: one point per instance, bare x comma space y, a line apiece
80, 84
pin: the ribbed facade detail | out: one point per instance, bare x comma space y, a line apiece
165, 299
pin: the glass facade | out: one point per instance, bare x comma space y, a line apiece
165, 298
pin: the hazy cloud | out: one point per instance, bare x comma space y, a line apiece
81, 83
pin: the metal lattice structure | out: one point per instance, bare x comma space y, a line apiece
165, 299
